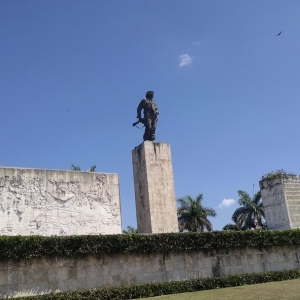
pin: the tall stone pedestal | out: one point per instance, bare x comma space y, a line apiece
281, 202
154, 188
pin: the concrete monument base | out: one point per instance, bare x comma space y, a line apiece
281, 201
154, 188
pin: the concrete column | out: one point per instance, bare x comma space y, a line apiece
281, 201
154, 188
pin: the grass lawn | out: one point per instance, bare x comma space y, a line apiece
279, 290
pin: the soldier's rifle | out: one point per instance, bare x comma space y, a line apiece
141, 120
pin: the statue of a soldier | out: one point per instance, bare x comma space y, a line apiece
150, 116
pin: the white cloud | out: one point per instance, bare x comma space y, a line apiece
197, 43
226, 203
185, 60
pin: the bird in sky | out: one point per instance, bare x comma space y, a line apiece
279, 33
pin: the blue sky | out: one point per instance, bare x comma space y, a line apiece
228, 89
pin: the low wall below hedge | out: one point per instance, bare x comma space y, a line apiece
46, 274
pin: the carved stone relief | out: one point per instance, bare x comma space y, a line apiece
34, 206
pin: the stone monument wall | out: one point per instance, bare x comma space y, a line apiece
154, 188
292, 197
46, 275
281, 201
52, 202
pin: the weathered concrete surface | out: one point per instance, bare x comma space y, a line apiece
45, 275
154, 188
281, 201
52, 202
273, 199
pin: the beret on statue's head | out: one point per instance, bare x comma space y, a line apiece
149, 93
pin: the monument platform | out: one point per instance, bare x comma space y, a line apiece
53, 202
154, 188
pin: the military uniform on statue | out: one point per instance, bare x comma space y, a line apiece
150, 116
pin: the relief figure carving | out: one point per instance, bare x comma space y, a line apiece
58, 208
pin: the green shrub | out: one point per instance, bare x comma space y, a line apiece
277, 174
36, 246
167, 288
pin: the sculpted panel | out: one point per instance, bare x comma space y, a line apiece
31, 205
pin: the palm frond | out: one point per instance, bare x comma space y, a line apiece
238, 212
192, 216
257, 197
210, 211
199, 198
243, 196
250, 208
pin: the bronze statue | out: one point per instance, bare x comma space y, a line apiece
150, 116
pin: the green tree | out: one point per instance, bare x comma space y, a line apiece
230, 226
250, 208
92, 169
192, 215
130, 230
75, 168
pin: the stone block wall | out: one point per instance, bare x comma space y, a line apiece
56, 274
281, 201
53, 202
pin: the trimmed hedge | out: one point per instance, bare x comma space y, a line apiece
167, 288
36, 246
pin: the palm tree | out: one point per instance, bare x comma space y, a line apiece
231, 227
192, 216
130, 230
250, 208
